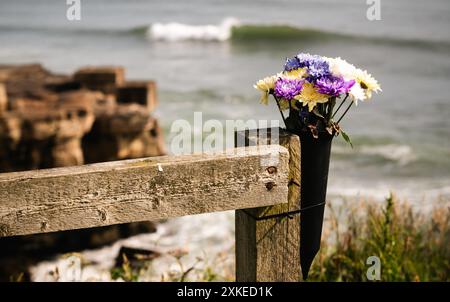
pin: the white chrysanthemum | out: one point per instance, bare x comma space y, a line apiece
357, 93
367, 82
340, 67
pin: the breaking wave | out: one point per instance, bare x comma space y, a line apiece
181, 32
401, 154
232, 29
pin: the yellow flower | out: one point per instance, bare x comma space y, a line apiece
295, 73
284, 104
265, 85
309, 96
367, 82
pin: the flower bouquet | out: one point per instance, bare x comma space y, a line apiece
310, 86
315, 90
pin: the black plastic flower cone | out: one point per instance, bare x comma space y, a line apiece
315, 160
310, 236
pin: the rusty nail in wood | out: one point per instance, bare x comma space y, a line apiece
270, 185
272, 169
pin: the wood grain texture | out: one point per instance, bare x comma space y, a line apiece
269, 249
143, 189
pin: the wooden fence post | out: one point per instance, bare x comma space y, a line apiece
268, 238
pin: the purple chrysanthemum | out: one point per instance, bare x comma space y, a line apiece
316, 65
305, 59
287, 88
333, 86
318, 69
291, 64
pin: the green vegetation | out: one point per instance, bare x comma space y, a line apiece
125, 272
412, 245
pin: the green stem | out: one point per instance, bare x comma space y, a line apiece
340, 105
346, 110
281, 111
331, 105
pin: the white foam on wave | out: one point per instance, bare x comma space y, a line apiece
421, 192
172, 32
402, 154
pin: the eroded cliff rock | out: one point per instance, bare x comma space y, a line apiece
49, 120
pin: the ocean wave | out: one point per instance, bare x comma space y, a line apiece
231, 29
181, 32
401, 154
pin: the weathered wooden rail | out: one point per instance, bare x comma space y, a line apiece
262, 191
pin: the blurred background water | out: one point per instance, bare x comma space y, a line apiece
206, 55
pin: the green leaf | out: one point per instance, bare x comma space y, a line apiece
346, 138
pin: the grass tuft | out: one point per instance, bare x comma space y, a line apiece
411, 245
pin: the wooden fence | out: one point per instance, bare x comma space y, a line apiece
264, 192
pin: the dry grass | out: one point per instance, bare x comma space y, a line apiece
412, 245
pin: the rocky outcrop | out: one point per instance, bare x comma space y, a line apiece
49, 120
